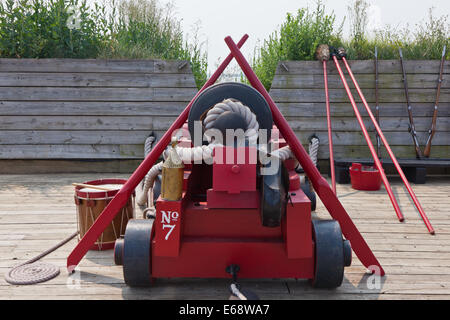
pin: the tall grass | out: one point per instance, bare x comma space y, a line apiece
426, 42
38, 29
300, 34
297, 39
143, 29
121, 29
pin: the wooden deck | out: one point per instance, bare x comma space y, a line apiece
37, 211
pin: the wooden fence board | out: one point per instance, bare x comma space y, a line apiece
90, 166
72, 79
135, 151
112, 123
76, 137
357, 138
91, 108
363, 66
365, 81
174, 108
161, 123
350, 124
96, 94
339, 95
342, 109
72, 151
93, 65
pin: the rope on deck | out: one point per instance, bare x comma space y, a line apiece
32, 272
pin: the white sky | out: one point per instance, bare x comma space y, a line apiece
259, 18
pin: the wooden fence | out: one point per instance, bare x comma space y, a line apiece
99, 110
64, 115
298, 89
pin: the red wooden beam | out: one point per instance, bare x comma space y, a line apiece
321, 186
330, 135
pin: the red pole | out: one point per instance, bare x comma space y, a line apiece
330, 136
369, 143
123, 195
391, 154
321, 186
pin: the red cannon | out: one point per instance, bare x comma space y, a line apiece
240, 216
232, 213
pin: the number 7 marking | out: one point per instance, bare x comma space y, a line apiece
170, 231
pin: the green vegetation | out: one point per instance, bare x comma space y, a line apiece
297, 39
299, 35
143, 29
425, 43
124, 29
38, 29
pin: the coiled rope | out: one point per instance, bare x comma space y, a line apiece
205, 152
314, 149
151, 175
31, 272
149, 144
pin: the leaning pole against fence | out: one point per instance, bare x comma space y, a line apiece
376, 160
388, 148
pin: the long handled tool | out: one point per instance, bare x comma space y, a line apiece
123, 195
411, 127
432, 130
90, 186
319, 183
377, 106
391, 154
323, 54
366, 136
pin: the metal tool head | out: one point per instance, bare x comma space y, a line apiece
341, 53
323, 52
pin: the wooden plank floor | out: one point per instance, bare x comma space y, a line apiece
37, 211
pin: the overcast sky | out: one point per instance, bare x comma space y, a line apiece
259, 18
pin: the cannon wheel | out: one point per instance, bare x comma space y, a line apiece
137, 253
329, 254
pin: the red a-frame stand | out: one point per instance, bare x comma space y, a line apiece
319, 183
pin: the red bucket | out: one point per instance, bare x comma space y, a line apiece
366, 178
